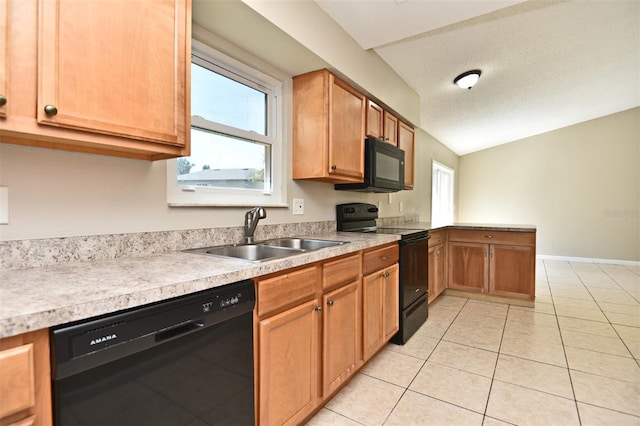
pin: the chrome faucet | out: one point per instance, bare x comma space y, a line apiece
251, 219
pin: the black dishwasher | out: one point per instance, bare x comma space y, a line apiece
187, 360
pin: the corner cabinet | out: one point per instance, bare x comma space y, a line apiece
101, 77
500, 263
25, 379
328, 129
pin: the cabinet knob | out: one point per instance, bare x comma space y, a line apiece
3, 100
333, 167
330, 302
50, 110
385, 275
318, 308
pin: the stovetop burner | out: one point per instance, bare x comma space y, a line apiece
361, 217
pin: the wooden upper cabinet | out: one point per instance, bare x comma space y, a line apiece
100, 76
328, 130
406, 142
3, 55
390, 134
375, 120
381, 123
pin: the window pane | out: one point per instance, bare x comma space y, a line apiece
217, 98
223, 162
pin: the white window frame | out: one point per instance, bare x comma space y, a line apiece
275, 176
441, 215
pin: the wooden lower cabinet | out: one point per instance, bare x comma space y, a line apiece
513, 270
25, 379
468, 266
288, 362
436, 259
341, 343
380, 308
309, 337
498, 263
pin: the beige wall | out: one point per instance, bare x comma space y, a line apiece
580, 185
57, 194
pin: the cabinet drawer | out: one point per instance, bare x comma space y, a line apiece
493, 237
340, 271
17, 385
437, 237
286, 289
379, 258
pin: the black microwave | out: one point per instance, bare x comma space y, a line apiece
383, 168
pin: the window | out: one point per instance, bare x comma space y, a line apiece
442, 205
237, 157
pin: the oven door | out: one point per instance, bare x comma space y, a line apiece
414, 272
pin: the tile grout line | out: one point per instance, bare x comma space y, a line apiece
564, 351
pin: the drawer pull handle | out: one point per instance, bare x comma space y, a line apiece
330, 302
385, 257
488, 236
3, 100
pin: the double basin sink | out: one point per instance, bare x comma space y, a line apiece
267, 250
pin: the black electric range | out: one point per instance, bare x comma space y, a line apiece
414, 272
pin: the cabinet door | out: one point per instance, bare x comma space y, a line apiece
288, 365
346, 130
4, 35
390, 128
115, 68
468, 266
25, 379
374, 119
406, 142
391, 304
512, 271
342, 355
381, 307
433, 273
372, 326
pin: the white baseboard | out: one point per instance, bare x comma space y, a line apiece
589, 260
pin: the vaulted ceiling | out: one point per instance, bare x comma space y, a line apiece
545, 64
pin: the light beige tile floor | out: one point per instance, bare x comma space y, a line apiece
573, 359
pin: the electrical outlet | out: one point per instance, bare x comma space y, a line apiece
4, 205
401, 206
298, 206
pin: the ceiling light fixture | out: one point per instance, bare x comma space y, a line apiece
468, 79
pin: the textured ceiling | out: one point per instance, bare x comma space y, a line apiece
545, 64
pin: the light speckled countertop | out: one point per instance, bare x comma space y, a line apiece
36, 298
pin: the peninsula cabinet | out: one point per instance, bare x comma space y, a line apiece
381, 303
25, 380
97, 76
328, 129
499, 263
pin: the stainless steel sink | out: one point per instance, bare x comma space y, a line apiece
267, 250
302, 243
254, 252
